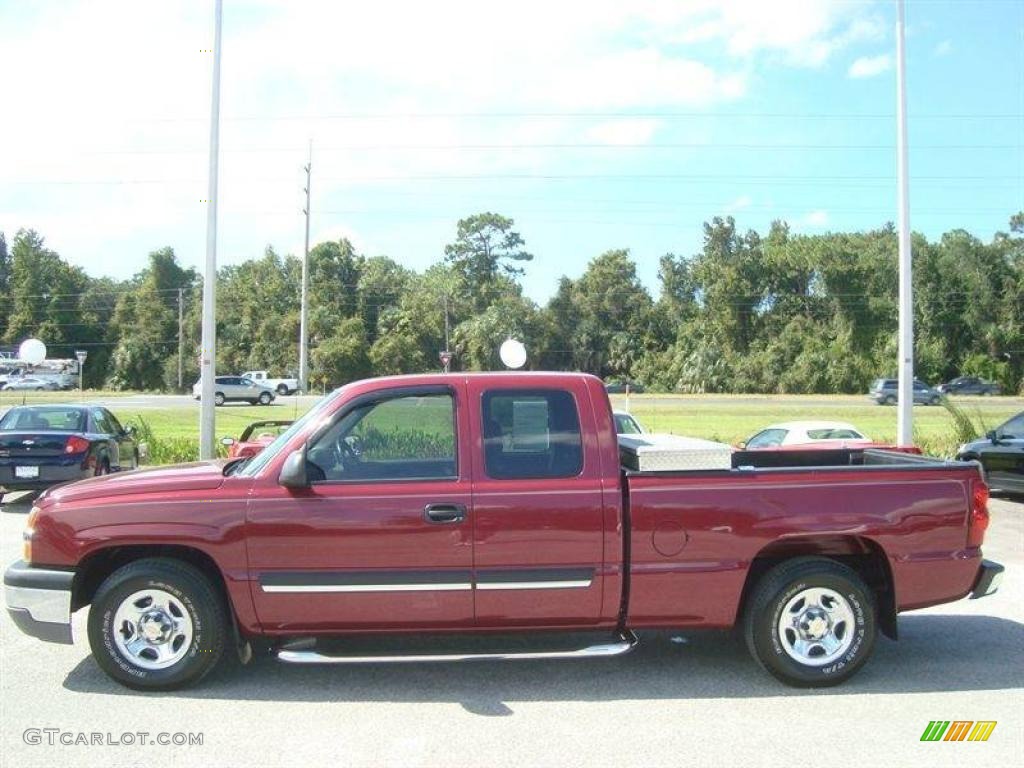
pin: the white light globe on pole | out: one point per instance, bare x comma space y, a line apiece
512, 353
32, 351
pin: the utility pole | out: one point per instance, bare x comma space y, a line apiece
446, 355
181, 335
208, 358
905, 402
304, 308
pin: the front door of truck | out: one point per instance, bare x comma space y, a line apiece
538, 517
382, 537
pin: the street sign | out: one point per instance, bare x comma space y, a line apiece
446, 359
81, 354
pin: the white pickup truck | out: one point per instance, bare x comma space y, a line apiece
281, 386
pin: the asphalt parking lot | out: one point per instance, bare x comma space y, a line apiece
692, 700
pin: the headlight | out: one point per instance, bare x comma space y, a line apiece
27, 534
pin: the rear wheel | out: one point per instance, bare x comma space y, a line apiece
934, 401
157, 624
102, 466
810, 622
282, 389
218, 398
890, 400
264, 398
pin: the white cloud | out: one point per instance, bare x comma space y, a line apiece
944, 48
625, 131
817, 218
870, 66
739, 204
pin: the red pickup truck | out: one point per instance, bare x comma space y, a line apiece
492, 509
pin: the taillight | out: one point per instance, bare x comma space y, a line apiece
977, 520
76, 444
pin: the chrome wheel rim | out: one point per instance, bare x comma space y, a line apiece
816, 626
152, 629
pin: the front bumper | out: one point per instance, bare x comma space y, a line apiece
39, 601
990, 574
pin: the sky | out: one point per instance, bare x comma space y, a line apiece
595, 125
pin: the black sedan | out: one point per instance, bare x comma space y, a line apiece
969, 385
42, 445
1001, 453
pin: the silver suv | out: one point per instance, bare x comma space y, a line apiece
228, 388
885, 392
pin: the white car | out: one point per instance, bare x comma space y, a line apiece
626, 424
282, 386
29, 383
807, 433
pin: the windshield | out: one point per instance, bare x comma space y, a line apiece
626, 424
262, 458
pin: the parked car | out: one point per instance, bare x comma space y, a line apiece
969, 385
248, 444
484, 503
806, 433
42, 445
1001, 453
236, 388
30, 383
619, 387
885, 392
626, 424
280, 385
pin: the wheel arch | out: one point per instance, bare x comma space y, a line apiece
98, 565
862, 554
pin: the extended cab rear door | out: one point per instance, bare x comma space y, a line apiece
538, 517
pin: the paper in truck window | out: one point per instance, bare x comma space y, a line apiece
530, 426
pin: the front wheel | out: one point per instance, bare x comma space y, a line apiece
218, 398
264, 398
157, 624
811, 622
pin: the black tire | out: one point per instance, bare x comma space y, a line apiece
206, 609
934, 401
102, 466
889, 400
264, 398
218, 398
282, 389
768, 601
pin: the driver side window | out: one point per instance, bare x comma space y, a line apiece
403, 438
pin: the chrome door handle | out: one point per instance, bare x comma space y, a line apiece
444, 513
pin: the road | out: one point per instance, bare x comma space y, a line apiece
695, 699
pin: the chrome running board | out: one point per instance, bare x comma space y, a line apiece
625, 643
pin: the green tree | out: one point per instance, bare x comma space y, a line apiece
485, 253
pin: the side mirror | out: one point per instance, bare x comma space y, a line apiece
293, 473
742, 445
992, 436
227, 441
130, 431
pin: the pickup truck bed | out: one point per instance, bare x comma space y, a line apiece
494, 503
